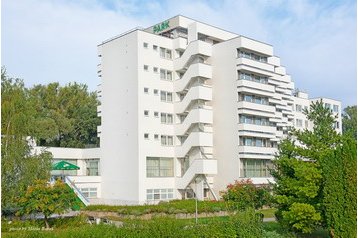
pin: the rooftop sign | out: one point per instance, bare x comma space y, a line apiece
161, 26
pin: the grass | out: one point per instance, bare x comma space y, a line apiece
269, 212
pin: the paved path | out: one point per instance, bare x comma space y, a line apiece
269, 219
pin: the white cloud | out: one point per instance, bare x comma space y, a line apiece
45, 41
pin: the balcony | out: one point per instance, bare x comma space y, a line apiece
197, 167
254, 150
194, 116
194, 70
194, 48
195, 139
256, 107
197, 92
255, 88
256, 130
255, 64
180, 43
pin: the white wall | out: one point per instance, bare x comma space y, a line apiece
119, 135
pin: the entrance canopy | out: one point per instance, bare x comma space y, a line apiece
64, 165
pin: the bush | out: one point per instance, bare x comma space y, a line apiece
244, 194
302, 217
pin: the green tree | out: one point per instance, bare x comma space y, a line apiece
19, 167
47, 199
298, 171
340, 189
349, 121
67, 116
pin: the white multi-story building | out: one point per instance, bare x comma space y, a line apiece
189, 108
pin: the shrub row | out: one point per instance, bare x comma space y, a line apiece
171, 207
244, 225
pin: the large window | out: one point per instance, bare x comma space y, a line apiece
255, 168
253, 77
250, 55
160, 167
258, 142
248, 119
167, 140
253, 99
92, 167
335, 108
160, 194
166, 118
166, 96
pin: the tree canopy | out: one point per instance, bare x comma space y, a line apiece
349, 121
315, 174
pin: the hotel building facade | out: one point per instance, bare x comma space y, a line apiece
186, 108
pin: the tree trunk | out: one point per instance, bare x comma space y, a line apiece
331, 233
46, 222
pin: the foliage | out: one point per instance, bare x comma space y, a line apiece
19, 167
171, 207
244, 194
67, 116
47, 199
244, 225
302, 217
340, 189
349, 121
305, 170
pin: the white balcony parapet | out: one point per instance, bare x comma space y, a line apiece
194, 48
194, 116
195, 139
194, 70
197, 92
197, 167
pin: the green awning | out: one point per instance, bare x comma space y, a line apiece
64, 165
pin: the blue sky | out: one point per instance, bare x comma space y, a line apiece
55, 40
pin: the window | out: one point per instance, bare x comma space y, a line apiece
166, 74
166, 96
160, 194
298, 108
169, 118
253, 99
298, 122
169, 97
165, 53
145, 67
155, 69
146, 113
253, 56
258, 142
162, 74
336, 125
92, 167
170, 140
255, 168
156, 136
162, 52
252, 77
146, 90
155, 91
163, 118
167, 140
327, 105
155, 47
89, 192
156, 114
146, 136
160, 167
145, 45
335, 108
